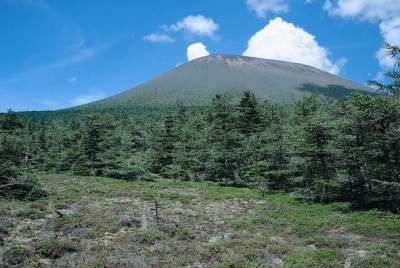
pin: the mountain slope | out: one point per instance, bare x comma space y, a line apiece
199, 80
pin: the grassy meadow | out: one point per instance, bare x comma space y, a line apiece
95, 222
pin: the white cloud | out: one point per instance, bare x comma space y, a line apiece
281, 40
384, 12
79, 56
380, 76
364, 9
195, 26
196, 50
72, 79
157, 37
83, 99
261, 7
390, 30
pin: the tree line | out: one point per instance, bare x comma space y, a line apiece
319, 149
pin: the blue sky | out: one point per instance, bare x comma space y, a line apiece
56, 54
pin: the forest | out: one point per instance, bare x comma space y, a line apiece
318, 149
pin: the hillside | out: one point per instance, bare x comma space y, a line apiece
200, 225
197, 81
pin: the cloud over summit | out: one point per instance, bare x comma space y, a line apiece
281, 40
196, 50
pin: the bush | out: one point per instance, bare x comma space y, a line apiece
16, 255
22, 188
149, 237
54, 249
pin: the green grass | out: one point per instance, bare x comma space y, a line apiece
275, 231
218, 192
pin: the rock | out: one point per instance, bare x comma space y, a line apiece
213, 239
311, 247
46, 262
125, 221
227, 235
130, 221
62, 212
169, 228
276, 261
362, 253
347, 263
49, 216
144, 222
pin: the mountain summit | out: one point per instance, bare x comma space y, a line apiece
199, 80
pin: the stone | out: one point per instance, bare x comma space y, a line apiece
144, 222
227, 235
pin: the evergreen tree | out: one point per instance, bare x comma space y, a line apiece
10, 122
277, 148
315, 147
60, 147
11, 146
93, 133
372, 150
249, 115
169, 138
193, 148
226, 138
15, 182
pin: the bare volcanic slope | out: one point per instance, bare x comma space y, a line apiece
197, 81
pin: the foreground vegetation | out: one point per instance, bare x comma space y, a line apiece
91, 222
323, 151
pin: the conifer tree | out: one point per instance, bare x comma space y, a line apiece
371, 145
15, 182
10, 122
93, 133
277, 148
11, 146
226, 138
249, 120
168, 139
315, 143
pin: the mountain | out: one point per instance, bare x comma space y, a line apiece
199, 80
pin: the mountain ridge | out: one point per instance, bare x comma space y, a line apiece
199, 80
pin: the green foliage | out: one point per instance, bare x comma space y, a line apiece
54, 249
249, 115
324, 257
383, 223
225, 138
10, 122
216, 192
16, 255
276, 148
11, 153
150, 236
371, 142
16, 163
317, 149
